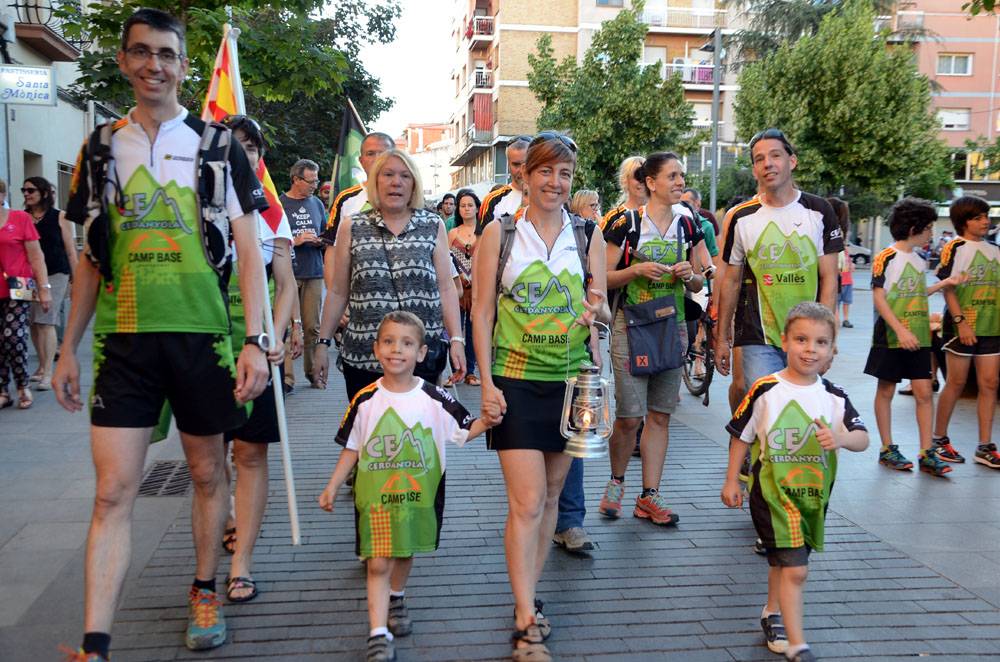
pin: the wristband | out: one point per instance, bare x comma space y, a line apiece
324, 341
457, 339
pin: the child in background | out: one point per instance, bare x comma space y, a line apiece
901, 340
395, 432
971, 326
795, 421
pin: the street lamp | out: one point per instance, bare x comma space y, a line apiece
714, 46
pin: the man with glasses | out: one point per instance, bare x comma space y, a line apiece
161, 329
508, 198
305, 216
781, 248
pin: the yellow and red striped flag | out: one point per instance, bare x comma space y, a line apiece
225, 97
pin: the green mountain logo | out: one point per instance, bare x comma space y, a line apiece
794, 434
394, 445
775, 250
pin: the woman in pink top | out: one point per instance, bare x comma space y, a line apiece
20, 257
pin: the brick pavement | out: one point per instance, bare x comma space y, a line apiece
690, 593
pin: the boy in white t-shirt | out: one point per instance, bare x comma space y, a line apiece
395, 431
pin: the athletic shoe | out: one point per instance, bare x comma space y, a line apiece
611, 502
931, 463
987, 454
892, 458
847, 324
654, 508
574, 539
206, 624
774, 633
758, 547
400, 623
79, 656
380, 649
946, 451
804, 655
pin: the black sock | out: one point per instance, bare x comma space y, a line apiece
97, 642
649, 491
620, 479
207, 584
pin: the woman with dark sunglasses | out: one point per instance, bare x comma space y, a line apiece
543, 311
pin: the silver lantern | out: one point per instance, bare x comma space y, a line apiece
586, 414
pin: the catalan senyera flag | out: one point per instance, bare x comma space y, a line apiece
225, 97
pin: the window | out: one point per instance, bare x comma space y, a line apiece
656, 55
954, 119
610, 3
954, 64
702, 113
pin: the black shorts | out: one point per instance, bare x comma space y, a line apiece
985, 346
194, 372
262, 426
534, 411
896, 364
788, 557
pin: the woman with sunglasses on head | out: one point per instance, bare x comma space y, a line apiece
633, 192
250, 441
462, 240
56, 240
543, 303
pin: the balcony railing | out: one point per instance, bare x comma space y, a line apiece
480, 80
475, 136
690, 72
40, 26
480, 30
673, 17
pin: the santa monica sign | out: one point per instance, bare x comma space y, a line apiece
34, 86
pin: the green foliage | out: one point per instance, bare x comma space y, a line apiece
990, 162
858, 110
296, 66
977, 7
734, 179
611, 104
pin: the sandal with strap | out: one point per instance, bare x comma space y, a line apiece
6, 400
533, 650
234, 584
24, 399
229, 540
543, 623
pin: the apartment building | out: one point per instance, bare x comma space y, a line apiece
430, 146
493, 39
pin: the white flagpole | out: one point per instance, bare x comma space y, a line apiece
276, 383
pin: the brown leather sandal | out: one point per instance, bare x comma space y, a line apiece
534, 650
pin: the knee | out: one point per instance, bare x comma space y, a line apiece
658, 419
796, 576
250, 456
113, 496
528, 509
628, 426
206, 474
378, 566
987, 380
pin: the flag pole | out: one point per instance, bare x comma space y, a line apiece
276, 382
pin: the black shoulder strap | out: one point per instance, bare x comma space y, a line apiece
213, 164
97, 227
507, 229
583, 230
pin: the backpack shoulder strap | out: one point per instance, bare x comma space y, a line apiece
508, 227
213, 164
582, 234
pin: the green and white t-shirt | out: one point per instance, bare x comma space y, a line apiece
779, 250
400, 440
792, 475
535, 337
162, 279
980, 295
901, 275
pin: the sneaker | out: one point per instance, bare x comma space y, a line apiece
400, 623
380, 649
654, 507
847, 324
758, 547
892, 458
745, 469
574, 539
79, 656
804, 655
946, 451
287, 389
774, 633
206, 624
930, 462
987, 454
611, 502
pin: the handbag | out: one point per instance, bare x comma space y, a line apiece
22, 288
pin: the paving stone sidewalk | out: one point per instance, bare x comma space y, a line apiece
647, 593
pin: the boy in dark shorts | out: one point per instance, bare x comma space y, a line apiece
971, 326
795, 421
395, 432
901, 340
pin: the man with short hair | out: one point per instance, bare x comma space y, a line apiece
692, 196
162, 328
780, 250
355, 198
447, 210
305, 216
508, 198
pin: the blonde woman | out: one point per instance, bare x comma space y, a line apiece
633, 192
586, 204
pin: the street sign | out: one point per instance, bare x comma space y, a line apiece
33, 86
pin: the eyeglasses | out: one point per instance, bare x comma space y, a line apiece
143, 54
546, 136
772, 134
26, 191
310, 182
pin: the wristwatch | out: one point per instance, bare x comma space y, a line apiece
957, 319
324, 341
263, 341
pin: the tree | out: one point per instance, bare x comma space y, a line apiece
734, 180
612, 104
857, 109
977, 7
296, 66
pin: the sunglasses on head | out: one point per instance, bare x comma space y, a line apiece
546, 136
772, 134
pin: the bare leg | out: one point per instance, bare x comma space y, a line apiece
211, 499
793, 581
986, 379
119, 454
400, 573
653, 446
622, 443
379, 570
883, 410
251, 500
525, 478
773, 588
925, 410
556, 468
954, 383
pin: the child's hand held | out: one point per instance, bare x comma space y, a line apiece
732, 494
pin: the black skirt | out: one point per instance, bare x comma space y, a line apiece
534, 411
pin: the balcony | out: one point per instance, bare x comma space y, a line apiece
686, 18
480, 80
479, 32
692, 72
475, 140
38, 26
